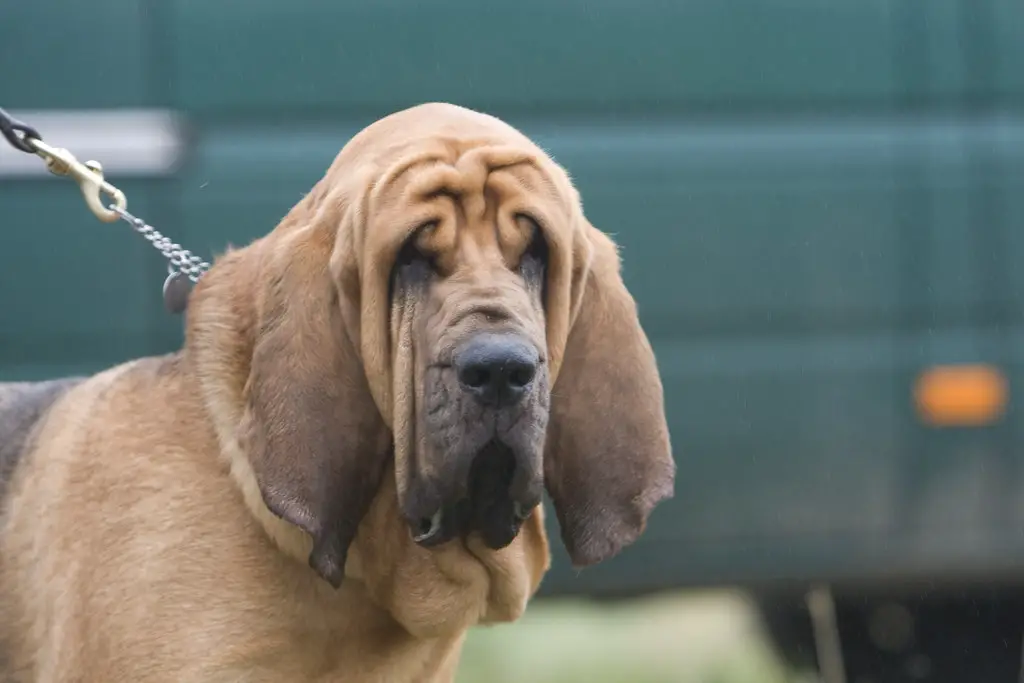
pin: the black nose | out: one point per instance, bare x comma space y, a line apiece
497, 369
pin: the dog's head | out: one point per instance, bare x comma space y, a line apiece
439, 295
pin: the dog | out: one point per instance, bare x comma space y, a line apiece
342, 469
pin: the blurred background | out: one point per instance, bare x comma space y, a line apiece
821, 210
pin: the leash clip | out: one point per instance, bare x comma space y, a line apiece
89, 177
183, 267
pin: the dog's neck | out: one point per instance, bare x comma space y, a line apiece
430, 593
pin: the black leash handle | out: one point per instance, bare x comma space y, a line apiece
18, 133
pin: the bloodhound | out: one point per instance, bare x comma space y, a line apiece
341, 471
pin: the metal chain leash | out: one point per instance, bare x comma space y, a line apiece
183, 267
180, 260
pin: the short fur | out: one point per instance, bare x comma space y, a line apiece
22, 406
244, 510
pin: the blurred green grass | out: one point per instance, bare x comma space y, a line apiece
711, 637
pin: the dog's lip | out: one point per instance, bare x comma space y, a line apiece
522, 512
433, 528
477, 506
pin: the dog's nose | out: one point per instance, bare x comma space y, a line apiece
497, 369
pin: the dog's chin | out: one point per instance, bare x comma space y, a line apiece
490, 507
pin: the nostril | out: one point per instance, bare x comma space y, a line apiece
521, 374
475, 376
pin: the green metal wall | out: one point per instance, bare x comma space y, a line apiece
815, 200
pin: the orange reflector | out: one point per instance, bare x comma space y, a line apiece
961, 395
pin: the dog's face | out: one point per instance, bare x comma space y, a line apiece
440, 299
467, 299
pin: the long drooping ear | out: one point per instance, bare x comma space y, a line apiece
313, 435
607, 460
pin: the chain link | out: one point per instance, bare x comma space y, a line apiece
181, 260
18, 133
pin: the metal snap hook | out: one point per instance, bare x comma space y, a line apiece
89, 177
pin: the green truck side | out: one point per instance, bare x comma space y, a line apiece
816, 203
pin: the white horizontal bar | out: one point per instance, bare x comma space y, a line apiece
127, 142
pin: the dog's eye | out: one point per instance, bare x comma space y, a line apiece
413, 266
411, 252
536, 253
533, 265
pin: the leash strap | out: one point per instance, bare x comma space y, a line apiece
183, 267
16, 132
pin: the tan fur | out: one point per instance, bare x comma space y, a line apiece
137, 541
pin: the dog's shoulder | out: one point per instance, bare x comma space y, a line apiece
25, 405
22, 406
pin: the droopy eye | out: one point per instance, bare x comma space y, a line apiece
537, 249
412, 267
411, 252
533, 265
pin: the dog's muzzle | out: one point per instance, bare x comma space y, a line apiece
503, 484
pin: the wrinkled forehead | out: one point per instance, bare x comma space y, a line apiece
448, 181
423, 163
